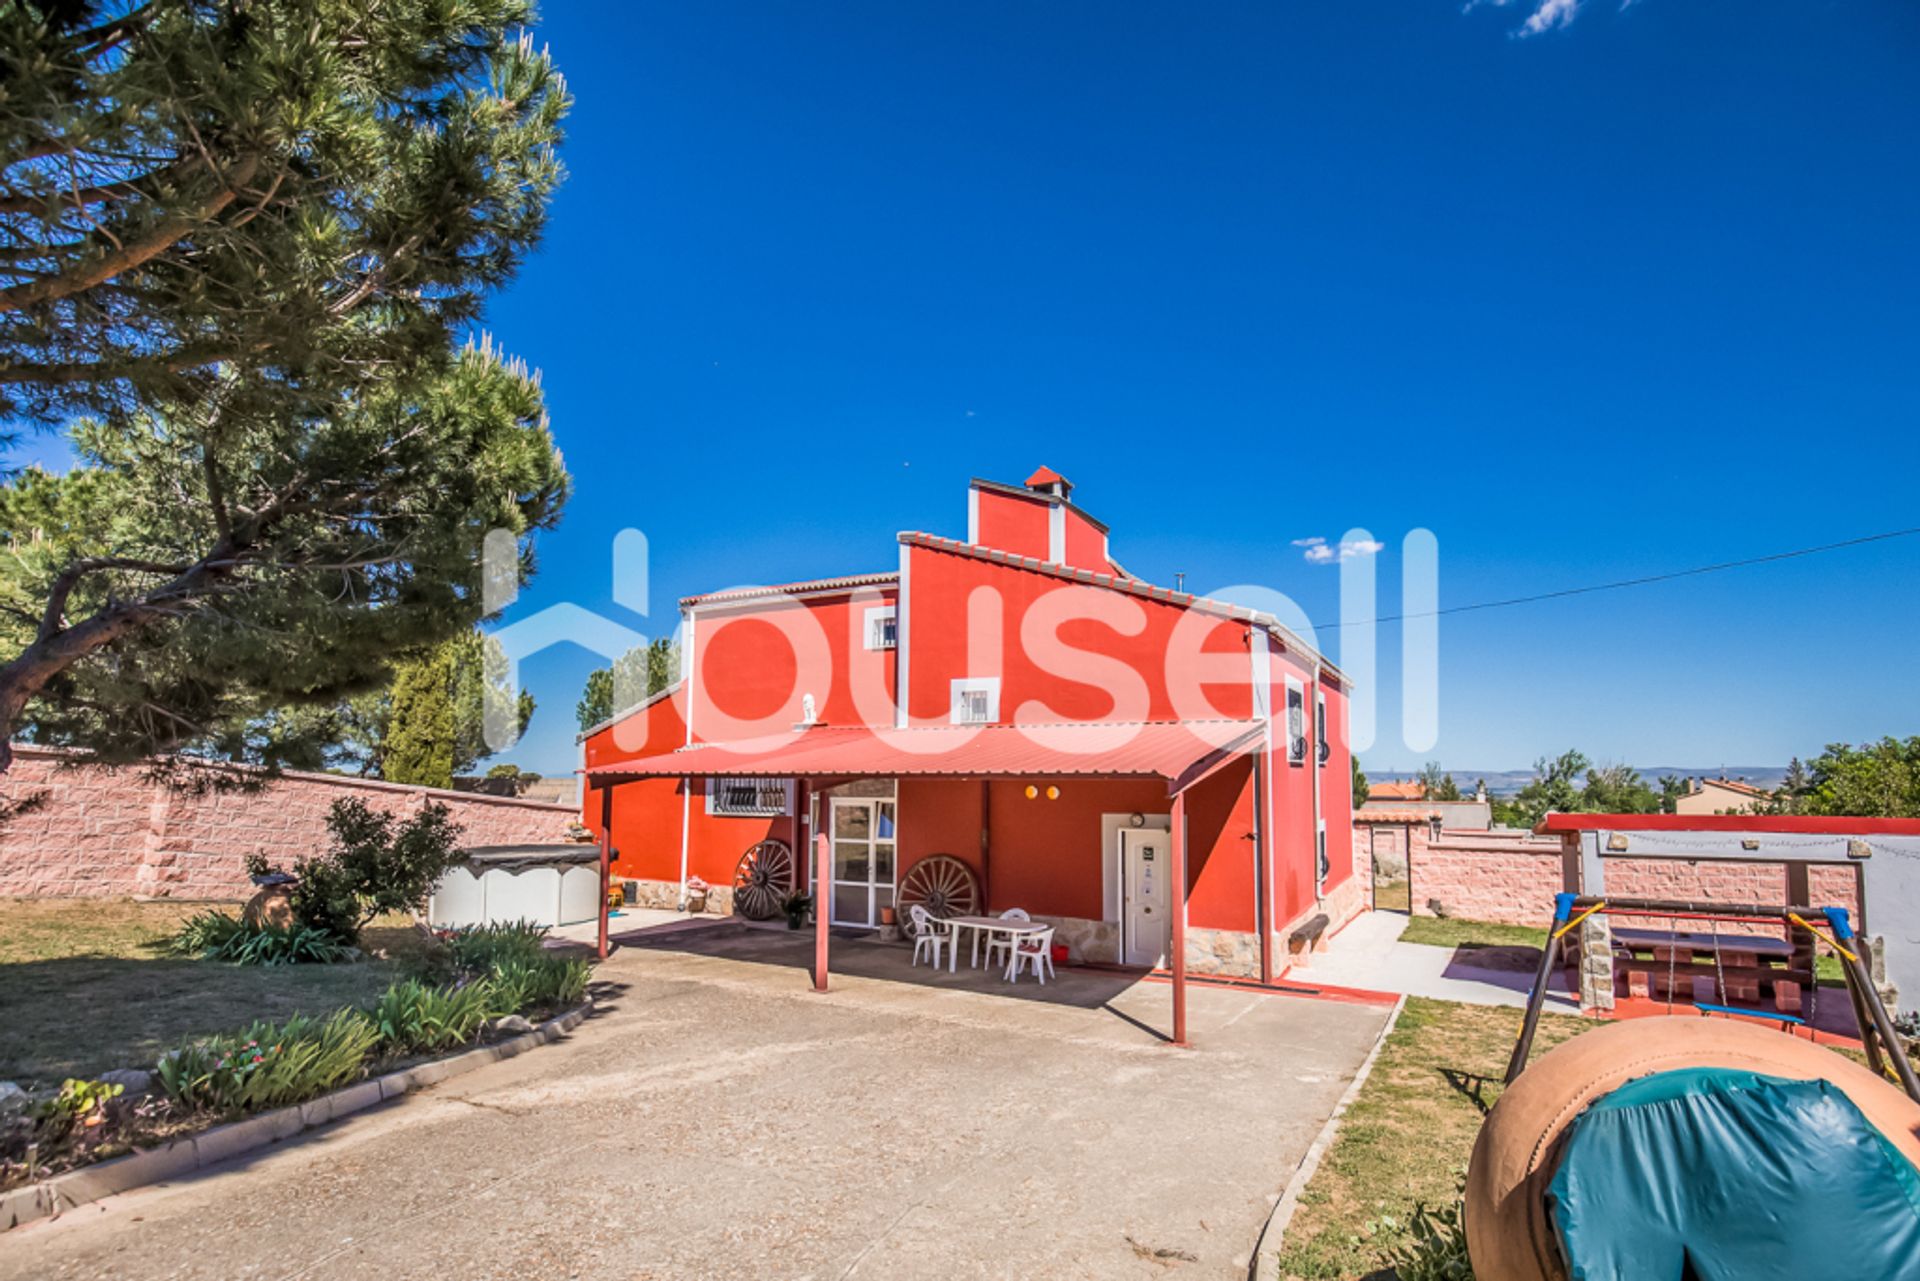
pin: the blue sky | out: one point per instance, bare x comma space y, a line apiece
1629, 295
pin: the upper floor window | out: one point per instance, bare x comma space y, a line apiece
883, 627
1322, 749
976, 700
733, 797
1296, 723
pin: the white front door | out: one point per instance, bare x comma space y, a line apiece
1145, 923
863, 860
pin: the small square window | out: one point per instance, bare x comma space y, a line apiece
883, 627
976, 700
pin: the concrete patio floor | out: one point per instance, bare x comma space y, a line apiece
717, 1118
1369, 955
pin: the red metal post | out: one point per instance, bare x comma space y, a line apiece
606, 861
822, 887
1177, 874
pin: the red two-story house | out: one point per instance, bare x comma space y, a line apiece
1011, 720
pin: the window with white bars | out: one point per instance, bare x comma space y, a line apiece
883, 627
731, 797
976, 700
1296, 723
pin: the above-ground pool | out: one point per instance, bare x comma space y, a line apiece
544, 884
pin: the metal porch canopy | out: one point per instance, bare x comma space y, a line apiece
1181, 753
1177, 751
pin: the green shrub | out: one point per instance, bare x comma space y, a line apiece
484, 949
205, 933
544, 982
376, 863
269, 1065
215, 936
413, 1017
79, 1104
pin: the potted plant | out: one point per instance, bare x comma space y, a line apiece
797, 907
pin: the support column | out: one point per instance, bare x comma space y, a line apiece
822, 891
606, 861
1177, 874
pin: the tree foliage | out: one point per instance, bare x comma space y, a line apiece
1437, 784
1571, 784
635, 676
1361, 788
1872, 780
239, 240
375, 863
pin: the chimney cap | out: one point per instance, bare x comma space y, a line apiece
1047, 480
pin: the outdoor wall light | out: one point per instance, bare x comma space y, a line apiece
1032, 791
1053, 793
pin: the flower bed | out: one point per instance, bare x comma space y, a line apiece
477, 986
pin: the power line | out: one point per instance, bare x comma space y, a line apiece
1635, 582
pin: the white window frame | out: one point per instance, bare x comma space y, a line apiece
1296, 699
878, 634
966, 686
764, 789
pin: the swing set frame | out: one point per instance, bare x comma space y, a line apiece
1886, 1053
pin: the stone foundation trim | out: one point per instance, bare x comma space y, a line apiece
183, 1156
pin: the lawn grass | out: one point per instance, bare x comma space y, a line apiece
1447, 931
1406, 1139
1392, 895
87, 986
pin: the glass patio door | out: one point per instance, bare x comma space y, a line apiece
863, 860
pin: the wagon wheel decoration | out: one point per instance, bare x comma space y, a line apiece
763, 880
940, 883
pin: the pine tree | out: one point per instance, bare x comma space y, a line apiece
239, 242
419, 747
636, 675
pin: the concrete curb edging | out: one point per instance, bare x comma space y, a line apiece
223, 1142
1266, 1251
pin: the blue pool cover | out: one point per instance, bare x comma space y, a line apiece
1708, 1174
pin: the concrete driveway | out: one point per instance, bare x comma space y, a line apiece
719, 1119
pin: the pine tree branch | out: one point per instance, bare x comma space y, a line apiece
155, 242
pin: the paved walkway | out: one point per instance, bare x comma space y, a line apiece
718, 1119
1368, 954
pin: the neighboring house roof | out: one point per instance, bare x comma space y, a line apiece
1170, 750
1836, 825
1734, 785
1410, 790
846, 582
1393, 816
1133, 587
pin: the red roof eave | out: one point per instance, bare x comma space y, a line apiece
1177, 752
1835, 825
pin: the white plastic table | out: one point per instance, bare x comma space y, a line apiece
984, 925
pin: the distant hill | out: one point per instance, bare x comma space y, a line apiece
1505, 782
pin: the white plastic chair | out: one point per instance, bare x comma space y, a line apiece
1035, 950
930, 934
998, 942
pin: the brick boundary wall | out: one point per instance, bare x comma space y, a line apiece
1511, 878
95, 831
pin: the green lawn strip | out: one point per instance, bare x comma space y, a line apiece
1408, 1135
1447, 931
88, 986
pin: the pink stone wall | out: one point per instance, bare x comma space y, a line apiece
90, 831
1511, 879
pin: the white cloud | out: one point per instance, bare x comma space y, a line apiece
1545, 15
1321, 552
